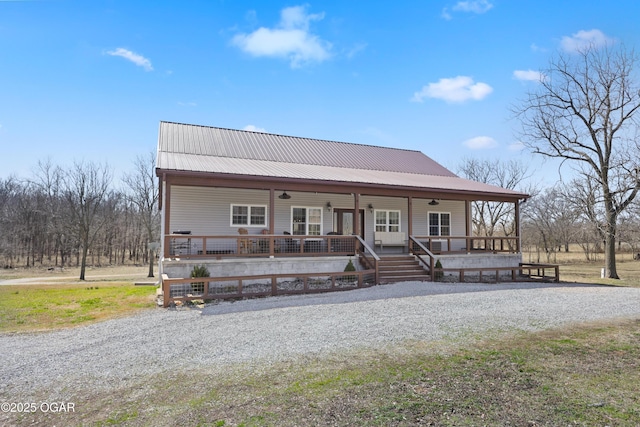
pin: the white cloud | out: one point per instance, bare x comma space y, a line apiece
290, 39
473, 6
187, 104
253, 128
528, 75
584, 39
476, 6
516, 146
457, 89
480, 143
139, 60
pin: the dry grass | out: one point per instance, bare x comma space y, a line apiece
574, 267
587, 375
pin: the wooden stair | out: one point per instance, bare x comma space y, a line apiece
401, 268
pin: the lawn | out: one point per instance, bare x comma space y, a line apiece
46, 307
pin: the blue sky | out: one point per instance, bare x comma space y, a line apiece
90, 80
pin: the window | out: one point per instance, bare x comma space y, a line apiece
251, 216
387, 220
439, 224
306, 221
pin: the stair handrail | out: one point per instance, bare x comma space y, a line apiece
376, 258
431, 256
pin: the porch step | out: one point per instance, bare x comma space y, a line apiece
400, 269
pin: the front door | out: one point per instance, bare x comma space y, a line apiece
343, 221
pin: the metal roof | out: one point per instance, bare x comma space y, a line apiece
193, 148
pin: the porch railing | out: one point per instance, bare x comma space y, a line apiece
468, 244
258, 245
209, 288
419, 250
368, 258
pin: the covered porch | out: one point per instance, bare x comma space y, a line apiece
299, 237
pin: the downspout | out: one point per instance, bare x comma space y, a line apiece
163, 208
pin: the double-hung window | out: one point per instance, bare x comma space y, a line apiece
387, 220
249, 215
306, 221
439, 224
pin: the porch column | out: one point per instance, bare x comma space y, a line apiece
356, 216
517, 220
410, 226
167, 213
272, 220
467, 223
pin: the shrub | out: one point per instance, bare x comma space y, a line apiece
199, 271
438, 275
349, 267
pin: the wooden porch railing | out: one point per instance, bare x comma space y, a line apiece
467, 244
258, 245
368, 258
418, 249
209, 288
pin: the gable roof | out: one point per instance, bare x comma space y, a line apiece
205, 149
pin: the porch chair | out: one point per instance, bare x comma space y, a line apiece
243, 243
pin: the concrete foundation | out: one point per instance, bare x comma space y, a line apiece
181, 268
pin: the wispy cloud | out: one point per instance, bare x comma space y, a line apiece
253, 128
480, 143
187, 104
516, 146
584, 39
290, 39
473, 6
456, 89
139, 60
528, 75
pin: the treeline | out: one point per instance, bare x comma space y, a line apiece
79, 216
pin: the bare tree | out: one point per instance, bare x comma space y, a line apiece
584, 112
489, 218
86, 191
143, 193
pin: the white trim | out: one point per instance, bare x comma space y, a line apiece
439, 213
249, 207
387, 225
306, 208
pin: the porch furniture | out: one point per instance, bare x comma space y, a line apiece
243, 244
390, 238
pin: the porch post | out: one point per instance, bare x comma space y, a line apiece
272, 221
517, 220
167, 214
410, 225
356, 216
467, 223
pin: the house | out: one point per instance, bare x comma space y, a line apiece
269, 214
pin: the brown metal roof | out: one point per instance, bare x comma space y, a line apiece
193, 148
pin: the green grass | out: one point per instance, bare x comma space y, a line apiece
45, 307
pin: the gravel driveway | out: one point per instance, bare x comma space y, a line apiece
108, 354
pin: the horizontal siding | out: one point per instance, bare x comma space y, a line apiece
206, 210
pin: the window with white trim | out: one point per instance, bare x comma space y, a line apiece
439, 224
249, 215
387, 220
306, 221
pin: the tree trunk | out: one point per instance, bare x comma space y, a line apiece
610, 247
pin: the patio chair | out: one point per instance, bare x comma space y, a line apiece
243, 243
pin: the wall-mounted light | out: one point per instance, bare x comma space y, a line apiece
284, 196
370, 207
434, 202
329, 206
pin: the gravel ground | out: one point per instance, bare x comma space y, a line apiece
109, 354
